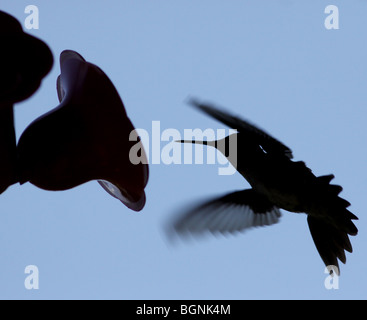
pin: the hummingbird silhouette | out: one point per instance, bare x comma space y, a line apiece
277, 183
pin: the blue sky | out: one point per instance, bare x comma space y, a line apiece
274, 63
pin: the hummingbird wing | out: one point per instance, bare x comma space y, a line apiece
267, 142
231, 213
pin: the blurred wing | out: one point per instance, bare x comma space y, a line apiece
268, 143
231, 213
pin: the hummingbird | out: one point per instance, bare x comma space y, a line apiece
277, 182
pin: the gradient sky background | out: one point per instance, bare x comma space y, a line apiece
274, 63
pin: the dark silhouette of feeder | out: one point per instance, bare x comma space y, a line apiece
87, 137
24, 62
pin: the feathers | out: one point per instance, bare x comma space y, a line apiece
267, 142
234, 212
329, 241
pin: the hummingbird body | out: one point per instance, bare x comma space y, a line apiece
277, 183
